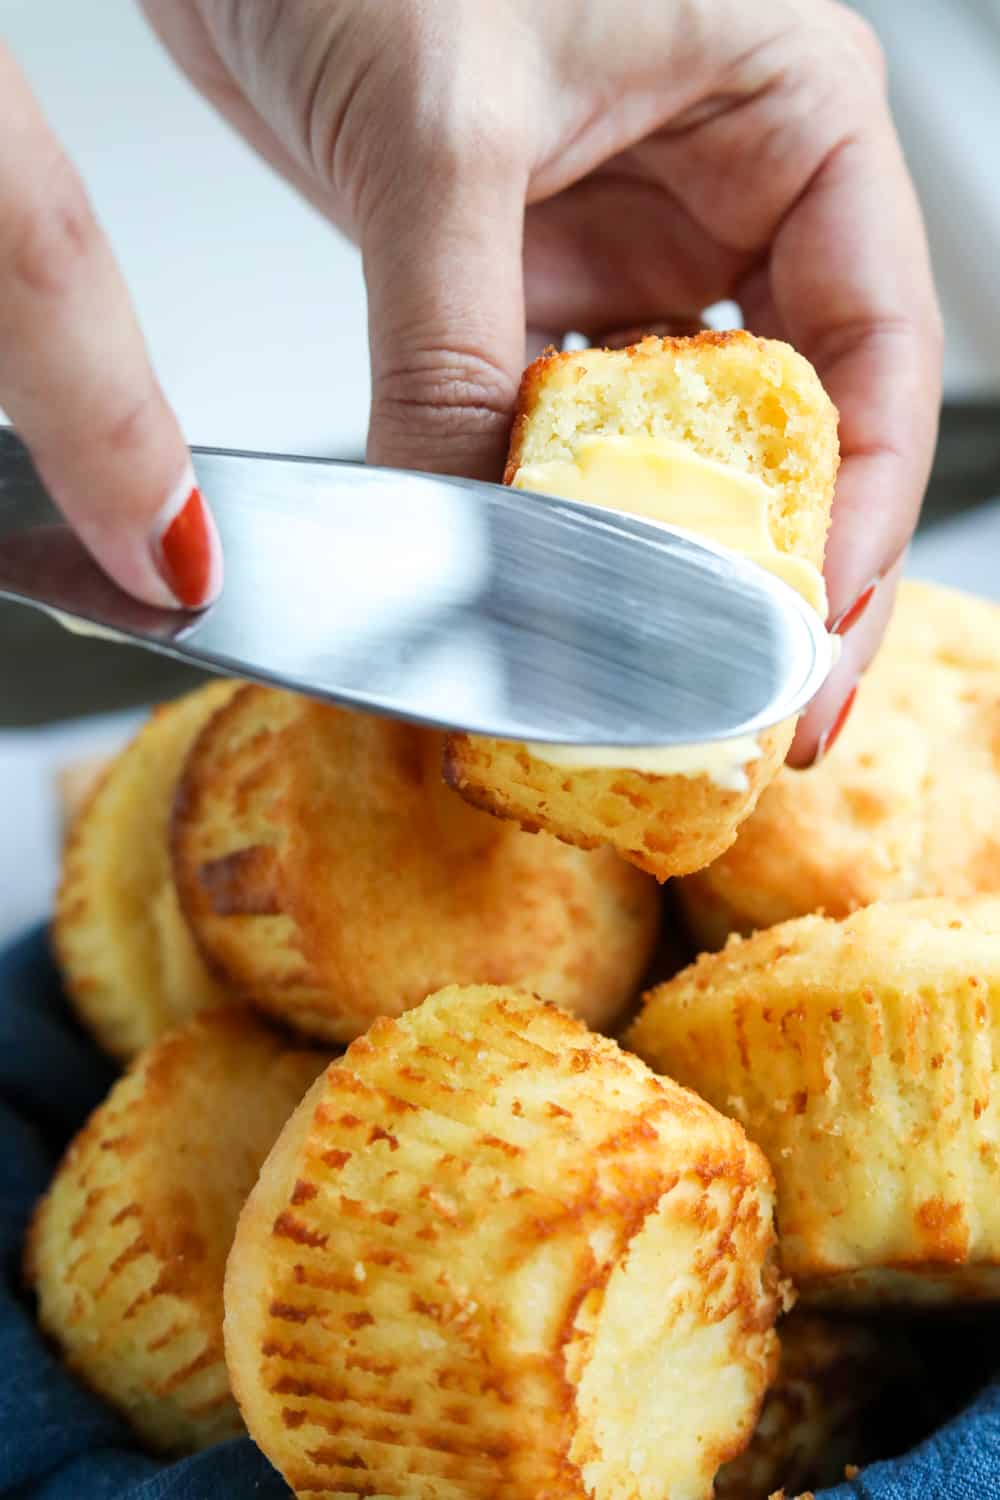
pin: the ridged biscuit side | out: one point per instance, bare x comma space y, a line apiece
126, 1251
490, 1254
128, 963
331, 876
906, 805
861, 1056
664, 825
751, 403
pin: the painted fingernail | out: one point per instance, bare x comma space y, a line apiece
849, 617
186, 546
829, 737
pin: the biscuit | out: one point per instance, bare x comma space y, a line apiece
331, 876
76, 784
907, 804
128, 963
491, 1254
836, 1401
752, 404
860, 1056
127, 1249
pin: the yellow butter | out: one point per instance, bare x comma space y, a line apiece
86, 628
666, 481
724, 762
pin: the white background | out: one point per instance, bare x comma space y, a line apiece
944, 77
253, 305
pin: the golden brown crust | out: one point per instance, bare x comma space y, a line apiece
128, 963
76, 785
127, 1249
329, 874
906, 805
470, 1239
860, 1056
733, 356
665, 825
784, 431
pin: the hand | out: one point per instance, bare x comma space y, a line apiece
516, 164
75, 378
705, 149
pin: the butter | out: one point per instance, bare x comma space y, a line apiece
666, 481
85, 628
724, 762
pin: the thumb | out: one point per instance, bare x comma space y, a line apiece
443, 267
76, 381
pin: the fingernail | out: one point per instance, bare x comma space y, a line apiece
849, 617
186, 546
829, 737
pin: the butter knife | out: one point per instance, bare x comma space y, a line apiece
451, 603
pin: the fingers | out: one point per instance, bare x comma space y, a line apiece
851, 283
825, 718
442, 259
613, 252
76, 381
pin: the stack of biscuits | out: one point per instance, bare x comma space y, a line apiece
432, 1166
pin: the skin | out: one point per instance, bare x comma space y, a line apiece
510, 170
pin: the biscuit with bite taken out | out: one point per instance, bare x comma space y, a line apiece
491, 1254
752, 405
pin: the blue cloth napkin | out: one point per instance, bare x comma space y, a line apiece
60, 1442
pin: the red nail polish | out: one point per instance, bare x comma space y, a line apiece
850, 616
828, 738
186, 552
186, 546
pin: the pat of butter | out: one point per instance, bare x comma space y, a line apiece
724, 762
666, 481
85, 628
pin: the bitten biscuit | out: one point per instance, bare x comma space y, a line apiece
751, 404
908, 802
128, 963
861, 1056
127, 1249
330, 875
840, 1398
492, 1255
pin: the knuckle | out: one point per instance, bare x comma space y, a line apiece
471, 141
132, 423
866, 39
455, 116
50, 231
439, 402
449, 382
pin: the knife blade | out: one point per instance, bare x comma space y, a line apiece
450, 602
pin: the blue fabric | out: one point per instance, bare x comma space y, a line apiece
57, 1440
60, 1442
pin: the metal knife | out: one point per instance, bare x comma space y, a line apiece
451, 603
